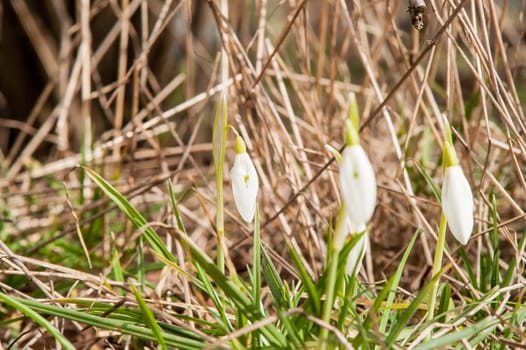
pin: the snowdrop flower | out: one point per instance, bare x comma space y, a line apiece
357, 180
357, 253
245, 182
457, 198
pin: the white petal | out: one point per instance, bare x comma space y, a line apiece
245, 186
358, 185
457, 203
355, 257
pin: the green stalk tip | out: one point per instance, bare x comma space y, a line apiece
353, 111
449, 155
447, 130
240, 146
351, 135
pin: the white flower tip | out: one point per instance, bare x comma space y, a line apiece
248, 216
462, 230
463, 238
457, 204
245, 185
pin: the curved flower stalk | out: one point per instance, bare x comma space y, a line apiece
457, 210
245, 182
357, 253
357, 180
457, 198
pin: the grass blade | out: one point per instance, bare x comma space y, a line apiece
256, 264
274, 282
306, 279
220, 312
451, 338
445, 302
129, 210
124, 322
389, 290
13, 302
173, 200
406, 316
241, 300
149, 318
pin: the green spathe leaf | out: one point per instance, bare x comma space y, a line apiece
351, 135
450, 158
239, 146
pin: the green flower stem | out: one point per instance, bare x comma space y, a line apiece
219, 149
219, 166
331, 281
437, 265
329, 297
220, 221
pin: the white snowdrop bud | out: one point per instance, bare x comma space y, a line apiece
245, 182
457, 203
358, 185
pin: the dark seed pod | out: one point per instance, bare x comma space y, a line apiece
416, 11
